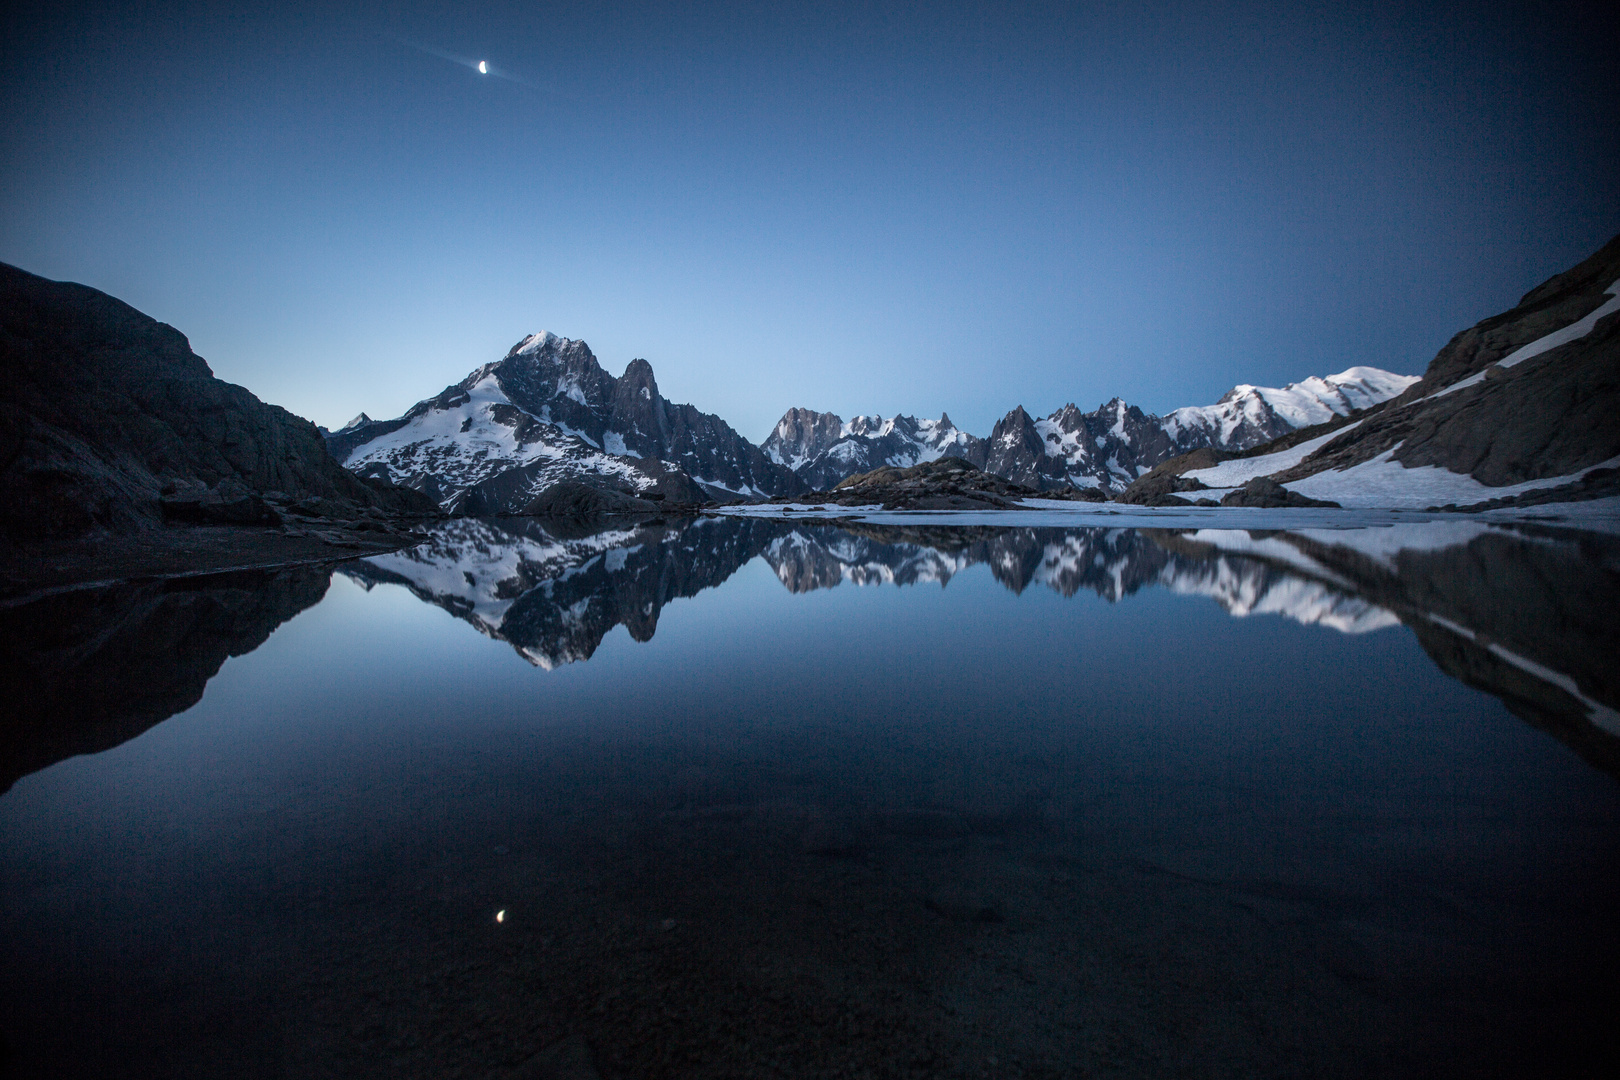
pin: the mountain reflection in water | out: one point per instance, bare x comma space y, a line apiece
1044, 810
1526, 614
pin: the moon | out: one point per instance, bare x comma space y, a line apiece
483, 67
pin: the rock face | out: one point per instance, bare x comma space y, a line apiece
548, 413
1529, 394
1161, 489
823, 450
1105, 450
109, 423
801, 436
1263, 491
945, 484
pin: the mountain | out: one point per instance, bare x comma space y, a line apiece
548, 413
1104, 449
109, 423
823, 450
1248, 416
1522, 407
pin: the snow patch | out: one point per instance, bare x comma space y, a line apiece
1385, 482
1234, 474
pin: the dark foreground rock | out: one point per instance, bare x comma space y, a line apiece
1265, 492
1160, 489
946, 484
110, 424
572, 498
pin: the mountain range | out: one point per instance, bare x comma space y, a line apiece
1521, 402
110, 424
547, 413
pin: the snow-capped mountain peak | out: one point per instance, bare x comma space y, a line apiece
535, 342
1247, 416
548, 412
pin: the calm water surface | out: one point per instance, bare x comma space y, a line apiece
1041, 803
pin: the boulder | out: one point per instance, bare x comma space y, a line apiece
1263, 491
1160, 489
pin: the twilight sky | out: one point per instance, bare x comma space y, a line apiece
859, 208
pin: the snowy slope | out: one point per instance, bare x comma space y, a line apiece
450, 444
547, 412
1250, 415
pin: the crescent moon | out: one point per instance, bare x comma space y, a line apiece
483, 67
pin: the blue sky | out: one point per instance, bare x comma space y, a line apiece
858, 208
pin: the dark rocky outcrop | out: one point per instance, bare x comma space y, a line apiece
109, 423
1265, 492
1552, 414
945, 484
1160, 489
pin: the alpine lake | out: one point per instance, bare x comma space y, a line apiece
882, 796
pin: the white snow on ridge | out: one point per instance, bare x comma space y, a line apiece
535, 342
1315, 400
1574, 331
1070, 446
466, 444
